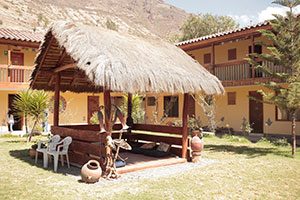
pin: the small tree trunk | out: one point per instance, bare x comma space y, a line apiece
26, 123
294, 134
31, 133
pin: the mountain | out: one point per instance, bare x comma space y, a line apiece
139, 17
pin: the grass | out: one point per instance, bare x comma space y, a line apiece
242, 170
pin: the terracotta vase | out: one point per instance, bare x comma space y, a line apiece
31, 153
91, 172
196, 144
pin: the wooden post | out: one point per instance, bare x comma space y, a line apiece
185, 126
252, 49
213, 59
107, 110
129, 120
56, 100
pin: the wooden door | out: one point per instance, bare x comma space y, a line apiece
256, 112
93, 106
18, 120
17, 58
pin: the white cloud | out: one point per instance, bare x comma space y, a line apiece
267, 13
244, 20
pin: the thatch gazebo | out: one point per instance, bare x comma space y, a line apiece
81, 58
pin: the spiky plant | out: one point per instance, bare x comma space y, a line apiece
21, 105
31, 103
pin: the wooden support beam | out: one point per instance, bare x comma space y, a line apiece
129, 120
185, 127
252, 51
213, 58
56, 100
65, 67
107, 107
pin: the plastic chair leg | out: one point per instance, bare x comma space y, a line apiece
67, 156
62, 160
45, 160
36, 157
55, 157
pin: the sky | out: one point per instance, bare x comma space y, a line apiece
245, 12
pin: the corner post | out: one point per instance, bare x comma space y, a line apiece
107, 108
129, 120
252, 51
56, 100
185, 126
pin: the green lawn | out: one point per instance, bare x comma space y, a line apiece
242, 171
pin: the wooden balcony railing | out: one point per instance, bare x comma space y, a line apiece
15, 74
242, 70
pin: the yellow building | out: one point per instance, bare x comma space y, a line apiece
223, 54
18, 50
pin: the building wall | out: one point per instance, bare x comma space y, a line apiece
29, 54
233, 114
221, 50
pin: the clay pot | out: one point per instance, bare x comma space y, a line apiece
197, 144
91, 172
31, 153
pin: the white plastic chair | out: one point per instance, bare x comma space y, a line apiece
61, 150
50, 144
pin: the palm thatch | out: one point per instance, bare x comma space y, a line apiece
120, 62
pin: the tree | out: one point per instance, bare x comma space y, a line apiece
31, 103
205, 24
284, 51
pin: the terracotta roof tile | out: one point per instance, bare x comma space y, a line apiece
221, 34
21, 35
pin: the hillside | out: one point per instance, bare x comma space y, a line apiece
139, 17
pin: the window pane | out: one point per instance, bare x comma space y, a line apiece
171, 106
285, 115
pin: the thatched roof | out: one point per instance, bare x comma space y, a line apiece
108, 59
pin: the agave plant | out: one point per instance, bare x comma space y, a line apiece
21, 105
31, 103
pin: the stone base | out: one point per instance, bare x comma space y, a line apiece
196, 157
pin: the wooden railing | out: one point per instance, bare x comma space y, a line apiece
15, 74
242, 70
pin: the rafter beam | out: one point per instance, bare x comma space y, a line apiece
65, 67
51, 80
42, 60
62, 57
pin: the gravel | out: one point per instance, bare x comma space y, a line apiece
154, 173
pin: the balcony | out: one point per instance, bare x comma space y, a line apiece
242, 73
14, 77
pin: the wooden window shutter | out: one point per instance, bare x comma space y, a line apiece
151, 101
207, 58
231, 98
231, 54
